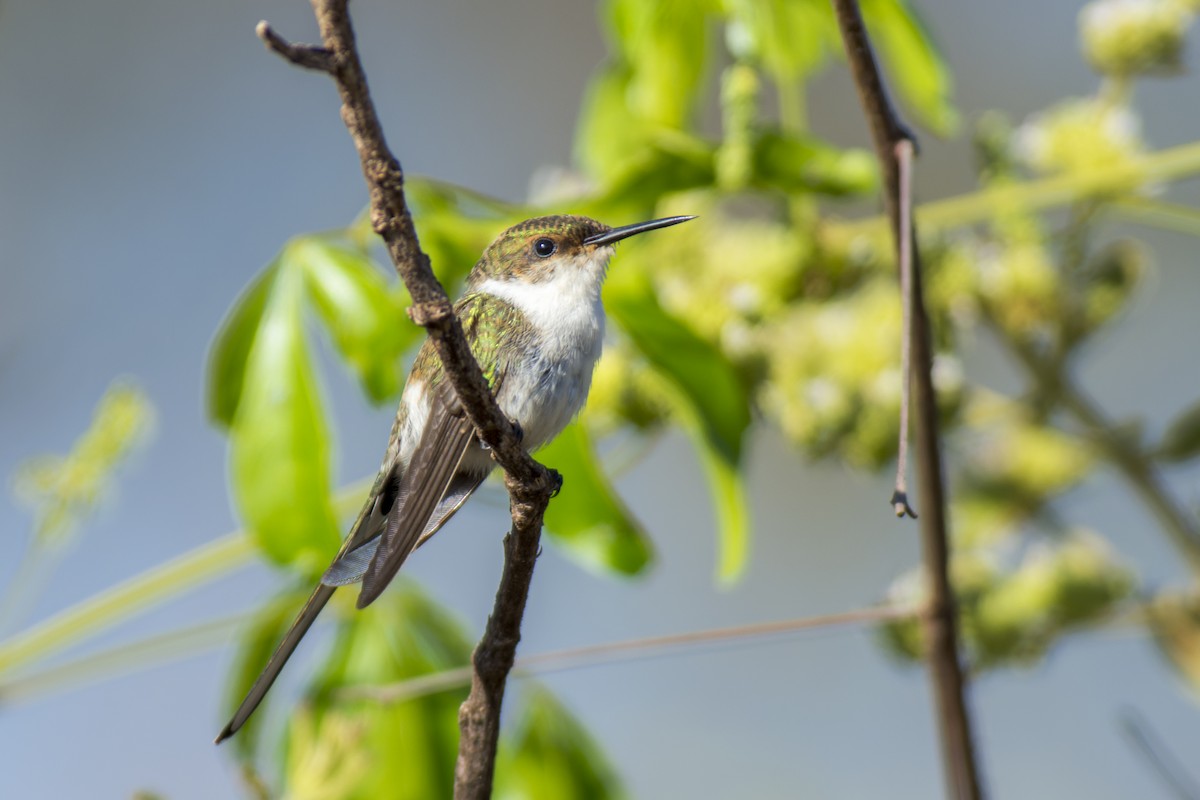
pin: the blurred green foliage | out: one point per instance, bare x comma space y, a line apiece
588, 519
345, 745
63, 490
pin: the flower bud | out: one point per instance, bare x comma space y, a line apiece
1123, 38
1079, 135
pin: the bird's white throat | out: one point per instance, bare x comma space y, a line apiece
552, 384
569, 299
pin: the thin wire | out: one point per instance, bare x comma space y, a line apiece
591, 655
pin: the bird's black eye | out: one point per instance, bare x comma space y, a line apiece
544, 247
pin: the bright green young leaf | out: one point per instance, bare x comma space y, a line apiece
708, 399
587, 518
673, 162
791, 39
365, 320
279, 443
1181, 441
913, 63
363, 748
666, 44
798, 163
231, 348
728, 487
456, 225
409, 747
550, 756
648, 88
1175, 622
608, 133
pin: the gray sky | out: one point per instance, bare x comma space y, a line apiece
153, 157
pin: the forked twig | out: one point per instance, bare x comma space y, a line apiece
530, 485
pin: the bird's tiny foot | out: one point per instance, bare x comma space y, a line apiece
557, 479
518, 431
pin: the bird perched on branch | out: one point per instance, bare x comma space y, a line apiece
532, 315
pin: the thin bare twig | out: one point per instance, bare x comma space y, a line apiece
308, 56
904, 156
939, 622
530, 485
592, 655
1122, 451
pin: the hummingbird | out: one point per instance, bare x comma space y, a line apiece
532, 315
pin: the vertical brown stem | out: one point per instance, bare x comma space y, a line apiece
946, 673
479, 715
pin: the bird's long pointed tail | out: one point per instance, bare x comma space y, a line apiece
304, 621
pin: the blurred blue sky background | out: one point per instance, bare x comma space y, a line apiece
153, 157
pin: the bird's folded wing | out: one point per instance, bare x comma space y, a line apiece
447, 435
380, 514
350, 567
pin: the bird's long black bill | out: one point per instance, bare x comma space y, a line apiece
625, 231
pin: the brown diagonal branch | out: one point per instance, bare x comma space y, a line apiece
941, 637
530, 484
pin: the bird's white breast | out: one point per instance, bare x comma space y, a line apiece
547, 386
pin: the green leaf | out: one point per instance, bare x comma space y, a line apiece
791, 39
671, 163
279, 444
550, 756
666, 44
1181, 441
410, 747
355, 748
231, 347
729, 497
649, 86
797, 163
913, 63
1174, 618
706, 396
456, 225
587, 518
608, 132
364, 318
